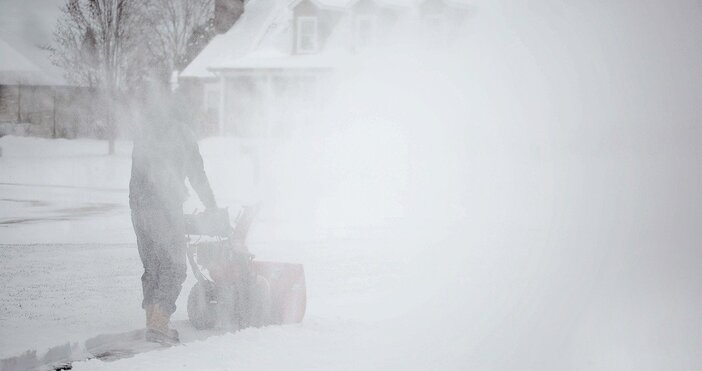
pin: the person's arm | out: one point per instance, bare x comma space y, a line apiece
198, 178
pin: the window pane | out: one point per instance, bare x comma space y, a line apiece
307, 34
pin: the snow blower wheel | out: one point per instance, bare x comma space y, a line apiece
261, 303
202, 305
240, 291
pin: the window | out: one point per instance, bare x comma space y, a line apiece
364, 31
306, 35
212, 102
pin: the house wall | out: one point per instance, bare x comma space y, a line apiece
211, 100
8, 103
76, 113
47, 111
202, 107
270, 103
25, 103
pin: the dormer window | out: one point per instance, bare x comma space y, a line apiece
307, 35
364, 31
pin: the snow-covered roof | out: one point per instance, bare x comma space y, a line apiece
244, 37
273, 59
261, 38
12, 60
15, 69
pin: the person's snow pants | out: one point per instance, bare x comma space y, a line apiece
160, 233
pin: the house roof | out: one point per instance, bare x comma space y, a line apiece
244, 37
24, 26
12, 60
261, 38
16, 68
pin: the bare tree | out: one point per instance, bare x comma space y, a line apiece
173, 24
101, 44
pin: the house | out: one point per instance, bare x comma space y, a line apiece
25, 93
35, 100
268, 72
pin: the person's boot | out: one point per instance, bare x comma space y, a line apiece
157, 330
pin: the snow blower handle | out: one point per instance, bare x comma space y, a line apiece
211, 222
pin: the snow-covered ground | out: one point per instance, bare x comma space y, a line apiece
619, 290
40, 183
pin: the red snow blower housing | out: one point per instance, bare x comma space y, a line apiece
241, 292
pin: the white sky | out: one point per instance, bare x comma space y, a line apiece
26, 23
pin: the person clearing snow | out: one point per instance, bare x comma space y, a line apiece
164, 155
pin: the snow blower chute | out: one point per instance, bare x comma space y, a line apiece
240, 291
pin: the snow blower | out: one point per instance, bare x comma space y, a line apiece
240, 291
